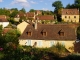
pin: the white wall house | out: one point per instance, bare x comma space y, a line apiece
4, 24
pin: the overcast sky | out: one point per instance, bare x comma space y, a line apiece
32, 4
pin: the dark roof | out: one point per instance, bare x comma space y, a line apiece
52, 32
45, 17
70, 12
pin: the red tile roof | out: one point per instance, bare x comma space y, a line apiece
45, 17
30, 14
5, 30
3, 18
70, 12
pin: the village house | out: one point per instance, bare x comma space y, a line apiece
19, 15
21, 27
70, 15
47, 35
3, 21
45, 19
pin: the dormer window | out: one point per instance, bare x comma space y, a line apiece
61, 33
44, 33
66, 12
29, 33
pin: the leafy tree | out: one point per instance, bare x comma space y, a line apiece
32, 10
78, 32
14, 13
77, 3
14, 9
58, 5
23, 10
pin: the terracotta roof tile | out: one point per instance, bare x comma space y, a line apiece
3, 18
70, 12
45, 17
30, 14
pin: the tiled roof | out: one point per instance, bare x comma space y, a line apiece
52, 32
5, 30
45, 17
20, 14
70, 12
30, 14
3, 18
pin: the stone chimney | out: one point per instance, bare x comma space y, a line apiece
35, 25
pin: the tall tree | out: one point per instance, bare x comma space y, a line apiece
58, 5
32, 10
23, 10
77, 3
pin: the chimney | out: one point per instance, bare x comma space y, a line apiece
36, 23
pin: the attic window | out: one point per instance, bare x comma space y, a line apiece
66, 12
44, 33
61, 33
29, 33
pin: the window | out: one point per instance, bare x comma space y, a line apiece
66, 12
69, 17
29, 33
74, 16
65, 16
39, 43
44, 33
52, 43
61, 33
28, 42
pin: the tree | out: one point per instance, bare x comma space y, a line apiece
14, 13
23, 10
78, 32
58, 5
32, 10
77, 4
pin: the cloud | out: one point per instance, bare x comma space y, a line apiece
33, 2
1, 0
45, 9
23, 3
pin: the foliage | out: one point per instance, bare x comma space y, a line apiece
14, 13
78, 32
23, 10
4, 11
58, 48
58, 6
32, 10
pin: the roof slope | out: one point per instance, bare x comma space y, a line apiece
70, 12
52, 32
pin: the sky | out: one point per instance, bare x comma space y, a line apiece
32, 4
